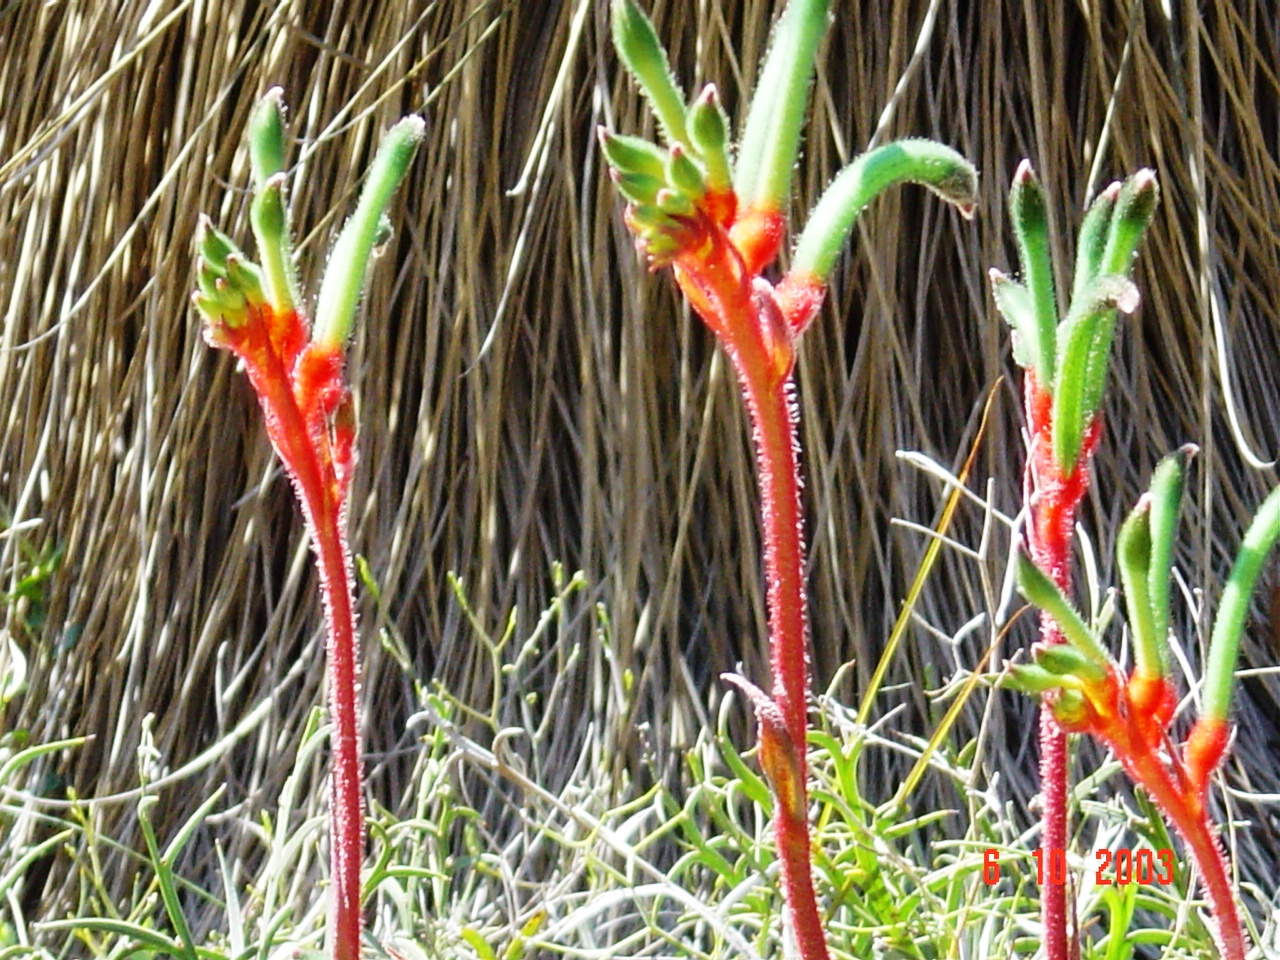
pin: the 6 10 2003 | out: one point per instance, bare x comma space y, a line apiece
1120, 867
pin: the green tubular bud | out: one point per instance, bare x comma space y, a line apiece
246, 279
1233, 608
642, 54
1094, 232
214, 245
1033, 679
1084, 349
1133, 555
709, 135
1013, 300
1030, 213
1070, 709
266, 136
771, 137
632, 154
638, 187
675, 204
1167, 486
1135, 208
1036, 586
269, 217
922, 162
345, 274
647, 218
684, 175
1064, 661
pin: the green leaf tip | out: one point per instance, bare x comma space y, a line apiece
345, 274
266, 136
924, 162
1029, 210
641, 52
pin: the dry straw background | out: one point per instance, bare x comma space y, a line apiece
528, 393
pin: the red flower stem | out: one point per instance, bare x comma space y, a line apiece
775, 417
1053, 500
345, 793
1191, 818
322, 498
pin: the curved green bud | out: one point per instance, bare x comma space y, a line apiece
266, 136
632, 154
771, 137
1094, 232
1033, 679
226, 279
1066, 662
1030, 213
1135, 208
675, 204
638, 187
1133, 554
1167, 485
1035, 585
344, 276
269, 217
1084, 346
709, 135
922, 162
1233, 609
641, 52
214, 246
684, 175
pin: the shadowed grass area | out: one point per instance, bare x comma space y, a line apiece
528, 394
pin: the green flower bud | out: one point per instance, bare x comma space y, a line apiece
642, 54
709, 135
632, 154
269, 217
266, 136
638, 187
684, 175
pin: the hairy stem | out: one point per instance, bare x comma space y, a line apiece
1053, 500
1190, 817
345, 794
775, 418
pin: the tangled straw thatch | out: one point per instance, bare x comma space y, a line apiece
528, 393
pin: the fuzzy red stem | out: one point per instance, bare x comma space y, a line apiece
345, 793
745, 316
296, 405
775, 417
1053, 500
1191, 818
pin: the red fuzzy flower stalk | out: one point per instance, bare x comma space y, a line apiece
1066, 366
718, 225
296, 368
1086, 691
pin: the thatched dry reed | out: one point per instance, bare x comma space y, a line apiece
528, 393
